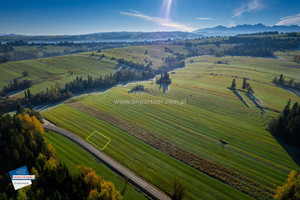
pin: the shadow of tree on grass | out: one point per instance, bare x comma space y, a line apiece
293, 151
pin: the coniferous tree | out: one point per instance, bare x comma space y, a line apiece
286, 111
28, 94
281, 80
19, 109
233, 84
244, 83
287, 126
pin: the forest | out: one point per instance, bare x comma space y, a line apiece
260, 46
138, 66
22, 143
287, 125
256, 45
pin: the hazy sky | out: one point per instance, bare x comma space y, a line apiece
39, 17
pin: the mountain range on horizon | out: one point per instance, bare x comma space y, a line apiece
246, 29
124, 35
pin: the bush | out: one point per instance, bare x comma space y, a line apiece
25, 73
137, 88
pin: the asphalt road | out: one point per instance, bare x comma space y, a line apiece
139, 182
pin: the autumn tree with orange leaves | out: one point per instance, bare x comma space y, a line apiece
291, 189
22, 143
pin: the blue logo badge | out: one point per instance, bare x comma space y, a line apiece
20, 177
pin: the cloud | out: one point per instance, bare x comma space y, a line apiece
251, 6
160, 21
204, 18
290, 20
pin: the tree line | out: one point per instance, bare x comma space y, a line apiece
243, 46
16, 85
55, 94
268, 42
255, 50
287, 125
164, 79
138, 66
175, 62
22, 143
78, 85
259, 46
289, 83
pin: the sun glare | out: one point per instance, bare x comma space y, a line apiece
166, 8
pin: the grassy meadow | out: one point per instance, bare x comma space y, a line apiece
139, 54
207, 112
153, 165
63, 145
55, 70
211, 112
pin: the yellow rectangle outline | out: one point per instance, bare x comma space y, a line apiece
87, 139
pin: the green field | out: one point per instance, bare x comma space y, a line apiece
155, 166
211, 112
62, 146
56, 70
98, 139
139, 54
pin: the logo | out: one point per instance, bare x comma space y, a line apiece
20, 177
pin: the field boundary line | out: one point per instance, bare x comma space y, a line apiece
87, 139
212, 169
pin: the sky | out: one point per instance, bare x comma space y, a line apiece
60, 17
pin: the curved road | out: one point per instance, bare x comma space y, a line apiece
142, 184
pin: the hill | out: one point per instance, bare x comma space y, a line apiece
191, 127
194, 126
106, 36
246, 29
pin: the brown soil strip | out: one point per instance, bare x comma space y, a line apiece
230, 177
293, 66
